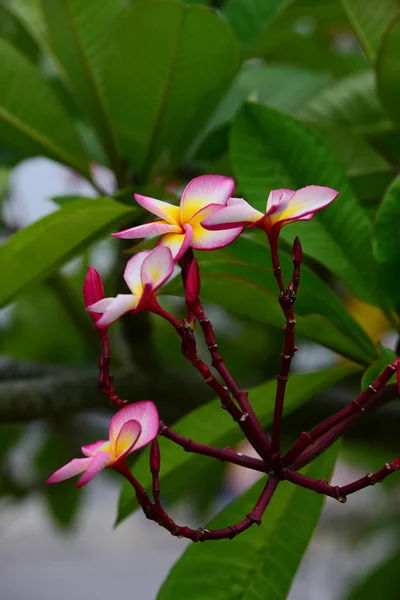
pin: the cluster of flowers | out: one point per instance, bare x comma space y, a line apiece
208, 218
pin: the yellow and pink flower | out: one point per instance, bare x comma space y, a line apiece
144, 274
180, 226
131, 428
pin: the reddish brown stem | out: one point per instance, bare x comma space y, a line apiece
340, 418
223, 454
106, 382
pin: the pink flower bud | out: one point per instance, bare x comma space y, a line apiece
192, 285
93, 291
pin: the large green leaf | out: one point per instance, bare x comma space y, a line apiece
381, 582
249, 19
31, 118
78, 32
270, 150
388, 71
32, 253
261, 562
370, 19
211, 425
13, 30
168, 67
386, 239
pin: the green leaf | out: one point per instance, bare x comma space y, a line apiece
261, 562
381, 582
78, 33
34, 252
14, 30
250, 19
388, 71
31, 118
370, 19
270, 150
386, 356
210, 425
386, 238
162, 95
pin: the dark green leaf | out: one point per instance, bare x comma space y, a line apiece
162, 95
388, 71
370, 19
270, 150
14, 30
210, 425
382, 582
78, 32
31, 118
249, 19
261, 562
32, 253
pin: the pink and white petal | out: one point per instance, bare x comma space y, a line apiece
212, 240
157, 266
100, 461
101, 306
127, 438
178, 243
278, 198
205, 190
164, 210
122, 304
145, 412
92, 449
133, 270
308, 200
235, 214
74, 467
147, 291
148, 230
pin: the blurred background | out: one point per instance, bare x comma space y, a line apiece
57, 541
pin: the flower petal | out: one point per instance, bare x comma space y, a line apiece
133, 270
148, 230
101, 306
238, 212
120, 305
127, 438
145, 412
164, 210
178, 243
74, 467
157, 267
92, 449
100, 461
211, 240
278, 198
205, 190
306, 201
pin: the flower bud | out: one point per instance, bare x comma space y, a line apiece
93, 291
192, 285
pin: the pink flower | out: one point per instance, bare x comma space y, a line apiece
130, 429
93, 291
283, 207
180, 226
144, 274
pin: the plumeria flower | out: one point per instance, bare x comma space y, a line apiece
283, 207
180, 226
93, 291
144, 274
130, 429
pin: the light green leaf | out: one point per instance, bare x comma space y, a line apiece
34, 252
388, 70
386, 356
14, 30
31, 118
370, 19
270, 150
168, 67
381, 582
211, 425
78, 32
261, 562
250, 19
